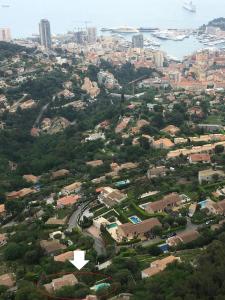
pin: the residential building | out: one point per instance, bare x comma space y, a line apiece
138, 41
126, 166
209, 175
216, 208
183, 237
154, 172
67, 201
94, 163
180, 141
162, 143
122, 125
158, 59
31, 178
123, 296
65, 280
199, 158
80, 37
143, 230
60, 173
64, 256
2, 209
7, 280
192, 209
92, 35
159, 265
175, 76
55, 221
210, 127
5, 35
52, 246
45, 34
67, 94
3, 239
110, 196
20, 194
171, 129
167, 202
107, 79
90, 87
95, 136
72, 188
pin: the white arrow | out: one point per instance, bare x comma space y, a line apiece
79, 259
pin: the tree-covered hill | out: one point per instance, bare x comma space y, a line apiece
219, 22
8, 50
206, 281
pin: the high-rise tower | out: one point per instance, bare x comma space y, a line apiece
45, 34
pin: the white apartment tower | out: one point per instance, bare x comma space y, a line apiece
159, 59
92, 34
45, 34
5, 35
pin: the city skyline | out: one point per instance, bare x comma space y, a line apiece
113, 14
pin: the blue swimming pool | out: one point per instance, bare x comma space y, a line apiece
112, 225
164, 248
135, 220
202, 203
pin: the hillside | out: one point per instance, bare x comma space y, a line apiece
219, 22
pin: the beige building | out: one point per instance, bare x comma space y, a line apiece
208, 175
167, 202
110, 196
5, 34
183, 237
163, 143
129, 231
72, 188
159, 265
65, 280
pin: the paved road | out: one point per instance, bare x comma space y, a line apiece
43, 109
74, 222
74, 219
99, 245
191, 226
14, 107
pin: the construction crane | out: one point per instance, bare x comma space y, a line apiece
83, 22
133, 82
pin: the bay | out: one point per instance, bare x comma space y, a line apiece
23, 16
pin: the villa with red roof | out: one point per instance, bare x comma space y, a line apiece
67, 201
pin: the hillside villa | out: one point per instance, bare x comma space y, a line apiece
167, 202
159, 265
143, 230
183, 238
110, 197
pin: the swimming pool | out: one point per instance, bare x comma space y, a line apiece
202, 204
164, 247
112, 225
100, 286
135, 220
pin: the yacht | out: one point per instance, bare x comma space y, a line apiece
188, 5
125, 30
147, 29
105, 29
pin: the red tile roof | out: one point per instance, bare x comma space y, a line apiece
67, 200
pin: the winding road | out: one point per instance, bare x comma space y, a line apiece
74, 222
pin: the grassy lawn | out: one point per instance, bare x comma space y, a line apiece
189, 255
111, 214
64, 212
93, 209
215, 119
100, 211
